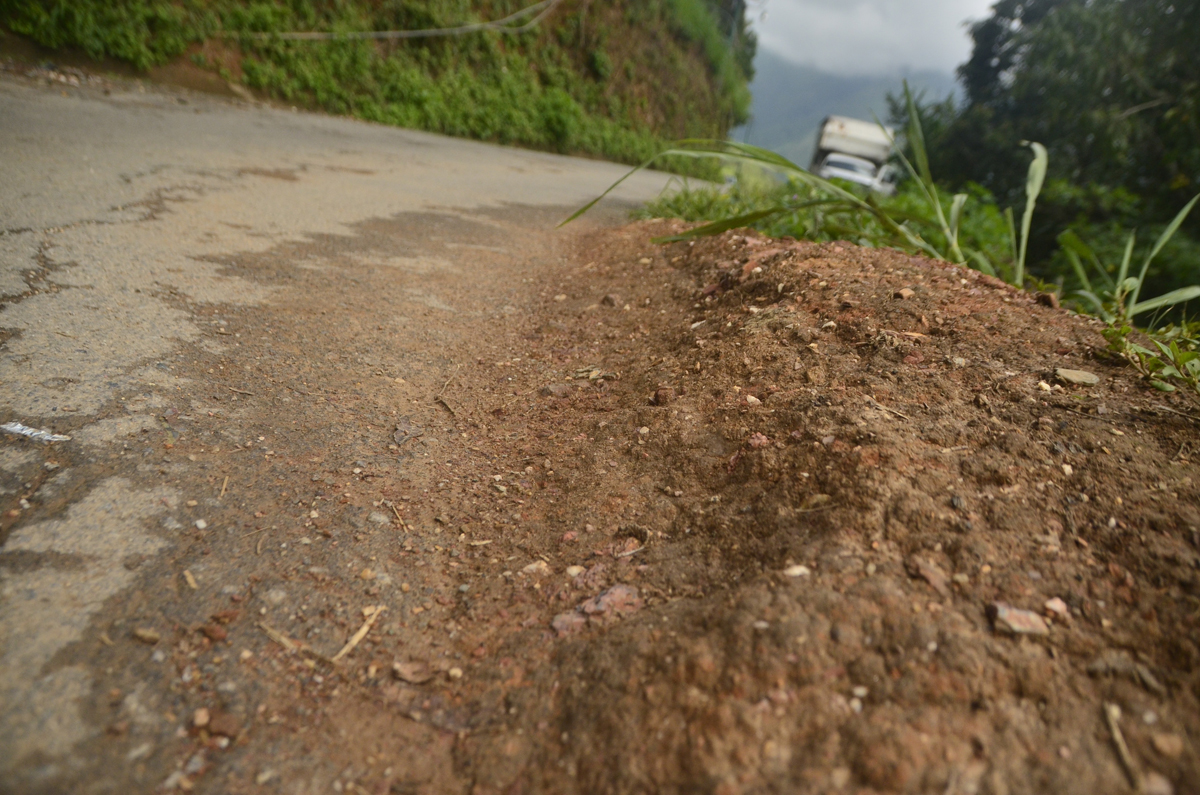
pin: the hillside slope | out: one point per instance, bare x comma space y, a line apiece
606, 77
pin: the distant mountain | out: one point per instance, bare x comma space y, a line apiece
790, 101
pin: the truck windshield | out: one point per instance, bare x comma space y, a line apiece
846, 164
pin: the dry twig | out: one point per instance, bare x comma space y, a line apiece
278, 637
1112, 713
357, 637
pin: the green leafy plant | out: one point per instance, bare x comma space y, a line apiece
1169, 367
1116, 299
919, 219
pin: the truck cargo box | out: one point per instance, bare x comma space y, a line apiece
863, 139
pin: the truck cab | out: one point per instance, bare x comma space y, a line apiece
856, 151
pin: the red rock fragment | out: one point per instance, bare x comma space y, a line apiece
663, 396
930, 573
567, 623
214, 632
617, 600
224, 725
1017, 622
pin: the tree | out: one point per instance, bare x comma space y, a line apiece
1111, 87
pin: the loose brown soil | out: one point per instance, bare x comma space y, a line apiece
718, 517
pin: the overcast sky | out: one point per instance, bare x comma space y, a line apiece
868, 37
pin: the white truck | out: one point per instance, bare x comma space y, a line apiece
856, 151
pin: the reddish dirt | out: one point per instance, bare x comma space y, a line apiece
792, 492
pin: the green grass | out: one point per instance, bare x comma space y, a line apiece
555, 87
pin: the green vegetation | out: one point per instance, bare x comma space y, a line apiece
613, 78
780, 198
1112, 89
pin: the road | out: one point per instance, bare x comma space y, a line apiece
145, 237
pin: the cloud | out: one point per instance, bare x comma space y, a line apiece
869, 37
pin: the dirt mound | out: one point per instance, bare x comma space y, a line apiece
839, 478
734, 516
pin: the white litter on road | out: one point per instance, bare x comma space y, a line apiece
33, 433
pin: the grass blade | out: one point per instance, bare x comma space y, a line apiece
1080, 273
724, 225
1123, 271
1167, 234
983, 263
1012, 233
1097, 304
1072, 242
1166, 299
956, 208
1033, 186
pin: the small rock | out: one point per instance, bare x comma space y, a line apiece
617, 600
366, 574
265, 776
1068, 470
539, 568
1048, 299
415, 673
379, 518
214, 632
663, 396
611, 299
200, 718
140, 752
904, 293
560, 297
147, 635
225, 724
757, 440
1058, 609
455, 673
1157, 784
201, 524
565, 624
958, 361
752, 401
930, 573
558, 390
1169, 745
276, 596
1015, 621
1080, 377
575, 571
796, 571
644, 261
859, 692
